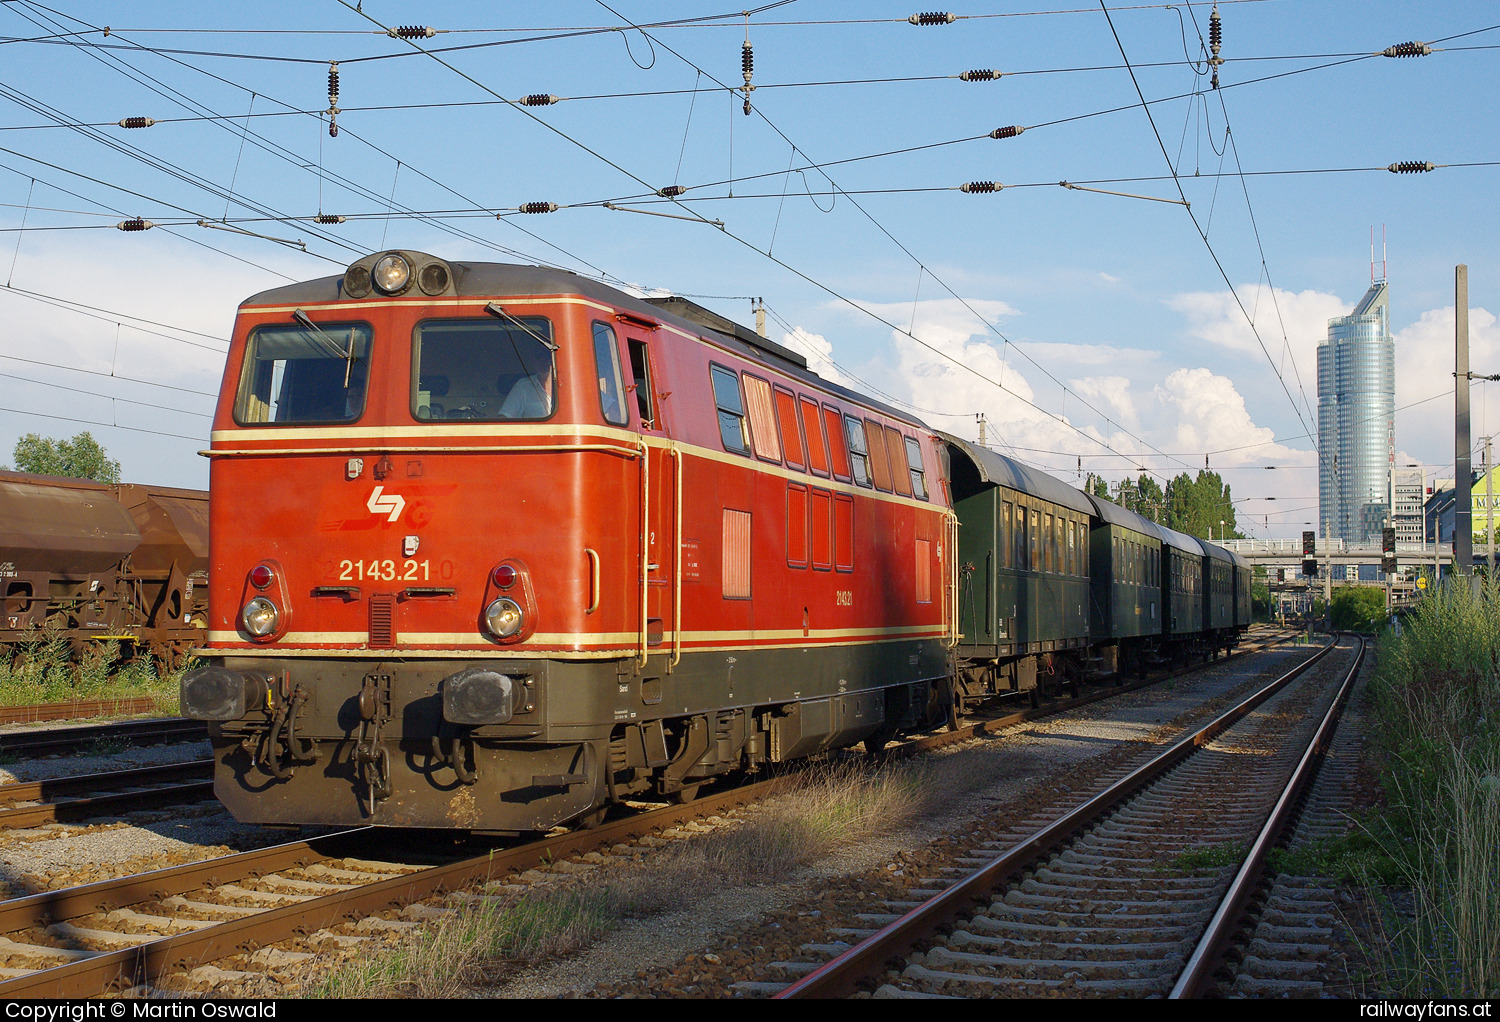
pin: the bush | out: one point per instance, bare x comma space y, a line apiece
1359, 608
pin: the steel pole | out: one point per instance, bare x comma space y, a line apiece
1463, 496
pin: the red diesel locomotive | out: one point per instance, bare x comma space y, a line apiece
493, 546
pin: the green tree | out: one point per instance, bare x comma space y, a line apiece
1359, 608
1196, 506
80, 457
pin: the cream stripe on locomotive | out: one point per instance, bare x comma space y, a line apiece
628, 641
565, 439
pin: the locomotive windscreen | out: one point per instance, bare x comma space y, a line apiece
483, 369
296, 375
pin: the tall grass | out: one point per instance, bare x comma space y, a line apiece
487, 941
1437, 709
44, 669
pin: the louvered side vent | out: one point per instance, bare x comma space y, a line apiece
382, 621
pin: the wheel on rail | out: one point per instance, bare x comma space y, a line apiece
877, 742
685, 794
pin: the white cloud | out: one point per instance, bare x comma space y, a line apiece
1215, 317
1424, 369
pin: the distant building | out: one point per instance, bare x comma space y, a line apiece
1357, 421
1409, 490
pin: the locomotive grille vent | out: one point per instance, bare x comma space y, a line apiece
382, 621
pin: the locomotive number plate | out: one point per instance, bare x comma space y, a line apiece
385, 571
843, 598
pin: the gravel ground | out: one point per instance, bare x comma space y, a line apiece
1022, 760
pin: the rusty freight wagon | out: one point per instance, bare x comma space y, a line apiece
92, 562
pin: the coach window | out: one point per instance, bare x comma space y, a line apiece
1072, 530
489, 369
607, 369
731, 409
296, 375
859, 457
1049, 546
1004, 539
1035, 561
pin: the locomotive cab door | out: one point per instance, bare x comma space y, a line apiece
661, 492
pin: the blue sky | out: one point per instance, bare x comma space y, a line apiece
1089, 329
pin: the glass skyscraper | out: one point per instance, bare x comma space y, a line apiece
1357, 421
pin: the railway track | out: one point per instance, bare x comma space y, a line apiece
83, 796
91, 738
1100, 900
77, 709
130, 932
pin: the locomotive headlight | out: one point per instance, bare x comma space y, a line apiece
260, 617
391, 273
503, 617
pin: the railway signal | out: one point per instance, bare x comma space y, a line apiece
1388, 551
1309, 549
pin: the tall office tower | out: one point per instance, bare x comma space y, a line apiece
1357, 420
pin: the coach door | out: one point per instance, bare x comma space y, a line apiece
660, 496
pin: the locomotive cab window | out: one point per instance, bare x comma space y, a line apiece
484, 369
293, 374
731, 407
640, 371
607, 368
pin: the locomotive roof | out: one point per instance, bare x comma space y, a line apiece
998, 470
1181, 541
1114, 514
498, 280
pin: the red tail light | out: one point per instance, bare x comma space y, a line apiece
261, 576
504, 576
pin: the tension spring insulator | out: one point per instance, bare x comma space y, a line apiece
1407, 50
411, 32
136, 224
538, 99
538, 207
136, 122
747, 67
933, 18
979, 75
671, 191
980, 187
333, 99
1215, 39
1411, 167
1010, 132
328, 218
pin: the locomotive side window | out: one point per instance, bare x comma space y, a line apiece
859, 456
791, 429
607, 369
483, 369
817, 447
295, 375
896, 451
843, 532
837, 454
880, 466
731, 411
914, 465
762, 418
735, 556
640, 371
820, 507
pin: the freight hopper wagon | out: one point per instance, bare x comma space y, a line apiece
497, 545
92, 562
